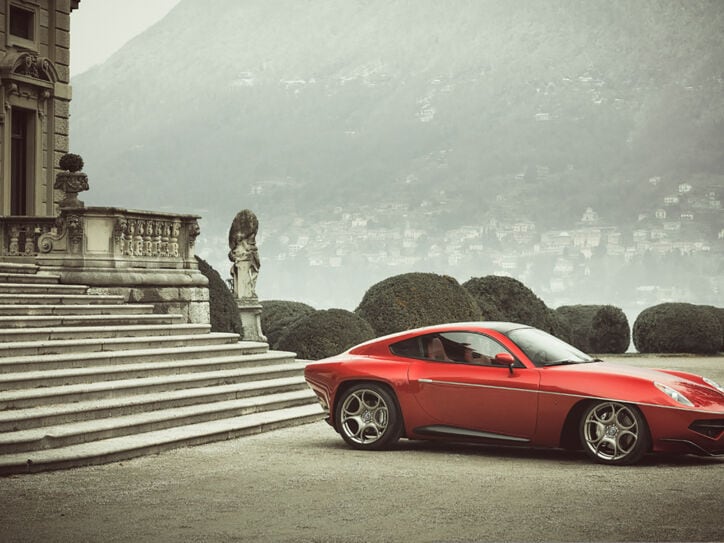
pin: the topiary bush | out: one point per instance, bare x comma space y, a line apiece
677, 328
416, 299
610, 332
71, 162
577, 321
278, 315
719, 314
503, 298
224, 314
325, 333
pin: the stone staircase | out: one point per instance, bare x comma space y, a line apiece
89, 379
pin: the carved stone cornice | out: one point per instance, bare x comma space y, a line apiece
28, 67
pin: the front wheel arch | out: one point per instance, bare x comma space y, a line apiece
613, 432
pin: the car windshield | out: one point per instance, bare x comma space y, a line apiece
546, 350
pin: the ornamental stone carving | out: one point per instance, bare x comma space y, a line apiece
244, 254
72, 181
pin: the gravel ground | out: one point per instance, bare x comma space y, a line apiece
304, 484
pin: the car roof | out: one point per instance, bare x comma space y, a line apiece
501, 327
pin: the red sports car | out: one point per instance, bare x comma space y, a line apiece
506, 383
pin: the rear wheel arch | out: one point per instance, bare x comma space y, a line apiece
346, 385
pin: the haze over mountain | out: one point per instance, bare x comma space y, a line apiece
405, 120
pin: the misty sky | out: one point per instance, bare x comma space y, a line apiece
101, 27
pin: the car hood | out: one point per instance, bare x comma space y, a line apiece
630, 383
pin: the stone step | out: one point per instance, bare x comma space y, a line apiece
78, 346
72, 376
45, 321
77, 309
12, 420
17, 364
89, 332
60, 299
49, 394
41, 288
13, 267
125, 447
28, 278
63, 435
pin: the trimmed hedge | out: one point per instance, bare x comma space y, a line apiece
224, 314
325, 333
719, 314
596, 328
577, 321
678, 328
610, 332
411, 300
278, 315
503, 298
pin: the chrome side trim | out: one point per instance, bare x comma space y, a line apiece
566, 394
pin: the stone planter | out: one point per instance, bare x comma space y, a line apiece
71, 183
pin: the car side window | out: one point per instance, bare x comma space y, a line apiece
471, 348
409, 348
453, 347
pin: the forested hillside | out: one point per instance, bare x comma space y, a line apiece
423, 114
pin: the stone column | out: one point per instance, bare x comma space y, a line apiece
244, 256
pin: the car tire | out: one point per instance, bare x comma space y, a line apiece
614, 433
368, 417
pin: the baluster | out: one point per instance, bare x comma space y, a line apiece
165, 238
30, 240
138, 240
157, 231
131, 233
14, 245
175, 233
148, 238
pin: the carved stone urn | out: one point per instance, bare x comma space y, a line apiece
71, 181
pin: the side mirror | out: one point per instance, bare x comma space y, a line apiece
505, 359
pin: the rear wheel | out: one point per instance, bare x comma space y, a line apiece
614, 433
368, 417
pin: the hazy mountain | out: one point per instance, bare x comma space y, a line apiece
462, 110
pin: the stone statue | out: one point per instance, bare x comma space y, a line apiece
244, 254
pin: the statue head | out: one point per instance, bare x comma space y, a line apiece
244, 226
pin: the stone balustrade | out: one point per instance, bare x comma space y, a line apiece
19, 237
109, 237
145, 256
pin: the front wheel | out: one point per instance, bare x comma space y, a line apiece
368, 417
614, 433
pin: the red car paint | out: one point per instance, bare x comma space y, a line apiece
526, 403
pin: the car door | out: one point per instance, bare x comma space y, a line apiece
463, 388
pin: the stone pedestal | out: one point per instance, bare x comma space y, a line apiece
250, 314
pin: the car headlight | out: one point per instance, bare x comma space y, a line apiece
674, 394
714, 384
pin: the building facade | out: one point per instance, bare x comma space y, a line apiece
35, 96
145, 256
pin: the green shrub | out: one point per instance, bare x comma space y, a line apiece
222, 305
503, 298
325, 333
610, 332
278, 315
412, 300
719, 314
677, 328
577, 320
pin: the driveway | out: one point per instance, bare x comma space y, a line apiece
304, 484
